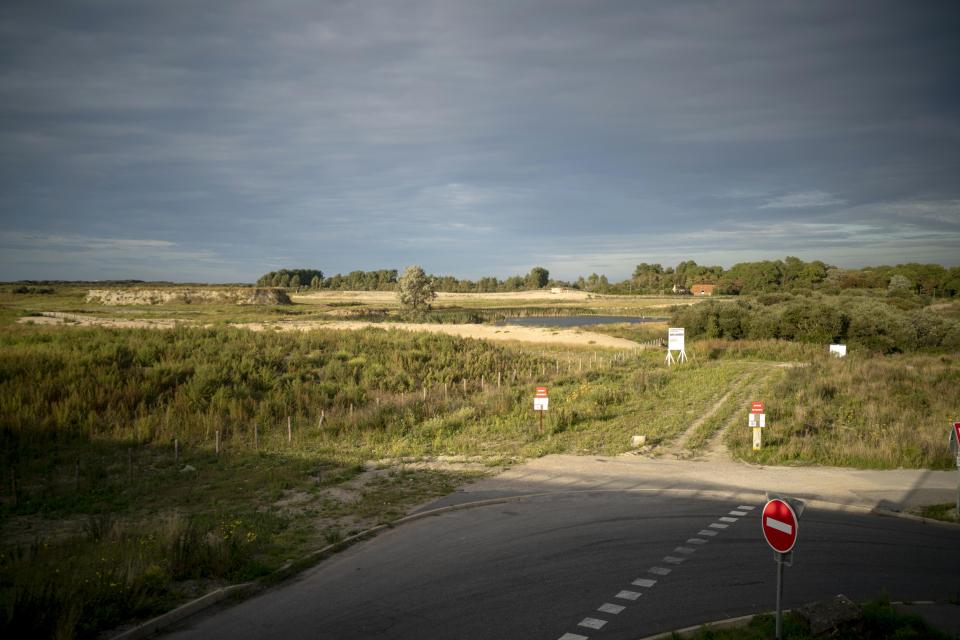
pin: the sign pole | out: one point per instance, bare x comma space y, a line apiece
955, 450
541, 420
779, 595
779, 523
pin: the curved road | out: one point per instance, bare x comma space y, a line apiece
600, 565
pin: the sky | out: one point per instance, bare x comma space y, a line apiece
215, 141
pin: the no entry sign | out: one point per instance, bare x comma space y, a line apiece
756, 407
779, 524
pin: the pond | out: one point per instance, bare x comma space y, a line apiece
576, 321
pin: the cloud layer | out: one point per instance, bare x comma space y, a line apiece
474, 138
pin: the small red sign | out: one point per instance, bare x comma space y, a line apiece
541, 392
756, 407
779, 524
956, 431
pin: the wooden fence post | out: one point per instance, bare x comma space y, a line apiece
217, 445
289, 430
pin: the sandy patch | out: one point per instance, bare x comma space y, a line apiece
76, 319
506, 333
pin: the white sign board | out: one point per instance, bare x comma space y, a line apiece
758, 420
675, 339
839, 350
541, 404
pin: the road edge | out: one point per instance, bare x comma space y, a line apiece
290, 569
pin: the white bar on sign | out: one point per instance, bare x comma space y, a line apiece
779, 526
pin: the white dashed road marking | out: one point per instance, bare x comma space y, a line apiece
592, 623
712, 530
607, 607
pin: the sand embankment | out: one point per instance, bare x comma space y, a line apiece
504, 333
507, 333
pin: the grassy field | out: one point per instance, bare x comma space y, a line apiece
879, 620
150, 465
142, 467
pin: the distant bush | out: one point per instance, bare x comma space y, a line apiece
877, 324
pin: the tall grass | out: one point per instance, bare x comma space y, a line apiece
77, 587
862, 412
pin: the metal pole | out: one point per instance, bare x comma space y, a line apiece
779, 594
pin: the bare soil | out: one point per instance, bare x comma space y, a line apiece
507, 333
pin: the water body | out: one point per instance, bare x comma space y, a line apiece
575, 321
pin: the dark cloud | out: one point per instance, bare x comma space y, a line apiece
475, 137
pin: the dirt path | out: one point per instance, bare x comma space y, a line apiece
716, 449
678, 448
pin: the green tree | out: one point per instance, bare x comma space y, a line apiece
538, 278
415, 289
315, 282
295, 281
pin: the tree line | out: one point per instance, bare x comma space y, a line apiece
388, 279
765, 276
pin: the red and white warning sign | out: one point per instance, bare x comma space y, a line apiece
540, 400
779, 524
756, 407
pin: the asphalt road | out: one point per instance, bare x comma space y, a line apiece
549, 566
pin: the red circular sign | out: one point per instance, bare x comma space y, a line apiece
779, 524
